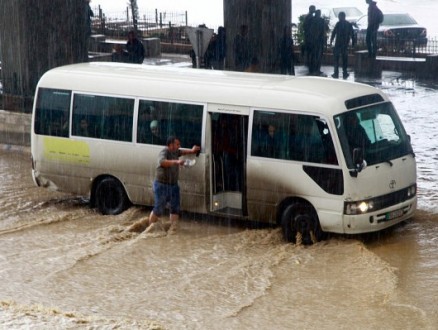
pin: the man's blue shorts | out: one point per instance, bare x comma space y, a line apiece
166, 193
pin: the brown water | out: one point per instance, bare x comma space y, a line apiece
62, 265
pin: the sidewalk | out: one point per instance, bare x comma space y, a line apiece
184, 61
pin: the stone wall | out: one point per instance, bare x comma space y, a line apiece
14, 128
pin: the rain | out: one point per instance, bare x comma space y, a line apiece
64, 265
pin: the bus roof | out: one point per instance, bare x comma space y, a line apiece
270, 91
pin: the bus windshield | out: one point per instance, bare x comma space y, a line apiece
376, 131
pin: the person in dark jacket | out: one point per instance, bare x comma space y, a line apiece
287, 52
241, 49
317, 43
343, 32
135, 48
307, 48
375, 17
221, 49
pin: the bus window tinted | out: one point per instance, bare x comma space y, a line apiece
376, 130
159, 120
292, 137
103, 117
52, 112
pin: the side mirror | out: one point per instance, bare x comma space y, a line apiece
358, 160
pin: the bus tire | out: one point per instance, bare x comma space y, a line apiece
299, 220
110, 197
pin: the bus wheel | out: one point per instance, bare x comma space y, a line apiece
300, 224
110, 197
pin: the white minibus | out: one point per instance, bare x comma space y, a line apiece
313, 155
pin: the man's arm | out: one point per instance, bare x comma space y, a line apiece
335, 30
193, 151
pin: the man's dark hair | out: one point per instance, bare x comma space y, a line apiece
171, 139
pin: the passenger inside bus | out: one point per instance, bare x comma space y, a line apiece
356, 135
83, 129
156, 137
269, 143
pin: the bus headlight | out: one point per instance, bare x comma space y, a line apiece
380, 202
412, 191
359, 207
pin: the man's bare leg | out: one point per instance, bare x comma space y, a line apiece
174, 218
153, 223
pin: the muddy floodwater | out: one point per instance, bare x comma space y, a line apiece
62, 265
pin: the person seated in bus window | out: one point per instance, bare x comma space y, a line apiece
271, 143
156, 133
356, 135
83, 129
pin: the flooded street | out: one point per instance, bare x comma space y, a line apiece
62, 265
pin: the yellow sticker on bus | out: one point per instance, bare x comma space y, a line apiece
68, 151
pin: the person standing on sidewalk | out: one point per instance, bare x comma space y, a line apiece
343, 32
307, 46
135, 48
165, 186
318, 41
287, 52
375, 17
241, 49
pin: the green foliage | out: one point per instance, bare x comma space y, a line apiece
299, 36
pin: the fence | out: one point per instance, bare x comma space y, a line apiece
168, 26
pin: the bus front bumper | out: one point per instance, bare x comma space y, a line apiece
379, 220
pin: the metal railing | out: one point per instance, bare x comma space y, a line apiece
168, 26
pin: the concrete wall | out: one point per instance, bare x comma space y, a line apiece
14, 128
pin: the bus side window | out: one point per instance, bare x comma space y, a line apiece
269, 135
189, 128
118, 118
159, 120
103, 117
52, 112
308, 141
292, 137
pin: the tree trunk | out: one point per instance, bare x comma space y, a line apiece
266, 20
36, 36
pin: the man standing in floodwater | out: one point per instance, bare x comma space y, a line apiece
165, 186
343, 32
375, 17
